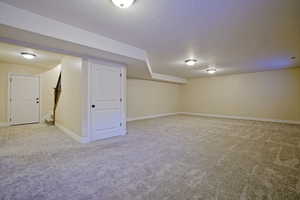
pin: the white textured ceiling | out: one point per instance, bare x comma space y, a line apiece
233, 35
11, 54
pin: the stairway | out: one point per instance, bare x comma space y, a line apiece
57, 93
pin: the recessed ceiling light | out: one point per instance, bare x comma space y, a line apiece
28, 56
123, 3
211, 71
190, 62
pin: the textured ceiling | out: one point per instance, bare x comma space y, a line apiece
233, 35
11, 54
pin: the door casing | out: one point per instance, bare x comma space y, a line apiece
10, 75
87, 100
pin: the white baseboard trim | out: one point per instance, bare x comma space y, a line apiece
4, 124
150, 117
73, 135
242, 118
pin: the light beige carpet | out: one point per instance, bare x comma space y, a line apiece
178, 157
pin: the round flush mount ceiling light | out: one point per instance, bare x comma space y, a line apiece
190, 62
28, 56
211, 70
123, 3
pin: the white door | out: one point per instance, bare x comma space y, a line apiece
24, 99
106, 101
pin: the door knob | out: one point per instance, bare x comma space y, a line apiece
93, 106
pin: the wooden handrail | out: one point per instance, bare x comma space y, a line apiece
57, 93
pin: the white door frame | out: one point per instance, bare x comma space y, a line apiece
86, 100
9, 94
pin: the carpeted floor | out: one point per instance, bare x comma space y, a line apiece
178, 157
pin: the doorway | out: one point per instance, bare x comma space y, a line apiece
24, 99
107, 102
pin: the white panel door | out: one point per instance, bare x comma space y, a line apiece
24, 99
106, 102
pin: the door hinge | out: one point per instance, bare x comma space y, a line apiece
120, 74
10, 99
10, 79
10, 119
121, 99
120, 124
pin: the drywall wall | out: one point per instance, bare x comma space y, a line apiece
68, 113
270, 94
146, 98
48, 83
5, 70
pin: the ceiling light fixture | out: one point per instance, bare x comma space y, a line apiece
123, 3
293, 58
211, 71
28, 56
190, 62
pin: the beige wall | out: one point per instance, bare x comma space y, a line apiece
68, 113
271, 94
151, 98
48, 83
5, 69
